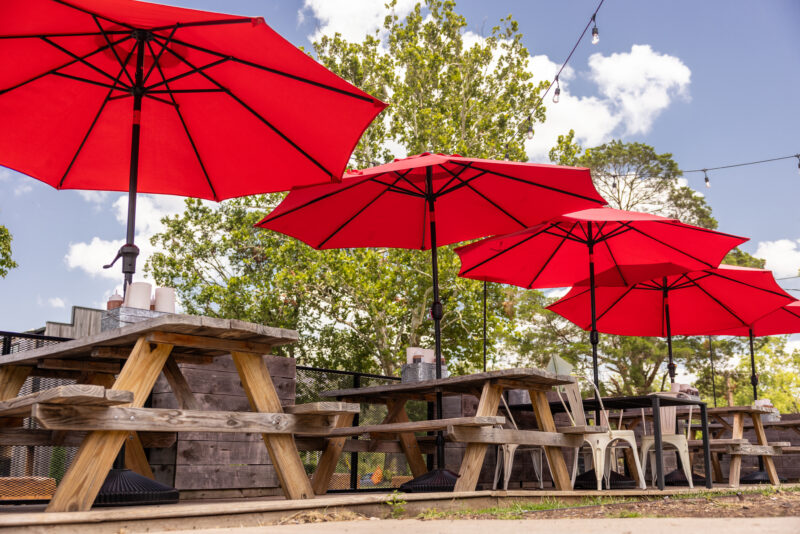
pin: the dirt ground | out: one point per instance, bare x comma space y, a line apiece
776, 504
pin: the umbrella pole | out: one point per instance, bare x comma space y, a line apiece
671, 364
713, 377
436, 311
484, 325
753, 375
594, 336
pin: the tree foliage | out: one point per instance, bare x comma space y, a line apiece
6, 261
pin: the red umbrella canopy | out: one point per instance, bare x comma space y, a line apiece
785, 320
229, 108
699, 303
387, 206
627, 247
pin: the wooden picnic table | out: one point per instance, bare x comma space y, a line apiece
488, 387
139, 353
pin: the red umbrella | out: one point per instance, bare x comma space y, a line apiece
601, 246
428, 200
693, 303
128, 96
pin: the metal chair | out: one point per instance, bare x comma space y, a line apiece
505, 456
669, 436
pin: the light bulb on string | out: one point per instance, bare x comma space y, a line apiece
529, 133
708, 182
557, 92
595, 32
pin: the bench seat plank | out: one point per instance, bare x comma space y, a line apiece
415, 426
75, 394
323, 408
499, 436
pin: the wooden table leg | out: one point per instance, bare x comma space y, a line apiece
135, 457
282, 450
761, 436
736, 459
408, 440
321, 480
475, 452
94, 459
555, 458
12, 378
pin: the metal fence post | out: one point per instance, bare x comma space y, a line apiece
354, 455
6, 344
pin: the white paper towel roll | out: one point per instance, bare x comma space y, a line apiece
138, 295
165, 299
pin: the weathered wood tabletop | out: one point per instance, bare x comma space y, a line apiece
488, 387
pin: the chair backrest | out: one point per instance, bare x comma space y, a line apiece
575, 411
668, 416
508, 411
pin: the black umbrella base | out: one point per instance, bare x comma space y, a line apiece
678, 478
588, 481
123, 487
758, 477
432, 481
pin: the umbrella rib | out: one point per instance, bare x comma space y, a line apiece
86, 11
356, 214
614, 259
255, 114
616, 301
604, 239
700, 229
219, 22
54, 71
76, 34
186, 130
542, 186
667, 245
493, 203
90, 82
501, 252
740, 282
91, 128
81, 60
715, 299
157, 58
453, 177
114, 50
178, 91
197, 70
549, 259
277, 72
412, 184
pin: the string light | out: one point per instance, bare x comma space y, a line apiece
798, 162
529, 134
557, 93
708, 182
595, 32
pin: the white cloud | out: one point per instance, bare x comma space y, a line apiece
633, 89
22, 188
95, 197
783, 256
150, 209
354, 19
56, 302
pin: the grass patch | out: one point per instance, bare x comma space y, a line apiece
515, 510
622, 514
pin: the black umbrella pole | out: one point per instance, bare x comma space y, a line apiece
713, 376
484, 324
594, 336
753, 375
436, 312
671, 364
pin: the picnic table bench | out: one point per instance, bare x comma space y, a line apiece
108, 410
477, 432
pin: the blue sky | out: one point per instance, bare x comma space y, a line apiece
713, 83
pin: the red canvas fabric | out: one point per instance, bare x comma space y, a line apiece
785, 320
386, 206
629, 247
700, 303
208, 142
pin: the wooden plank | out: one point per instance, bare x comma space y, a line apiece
122, 353
731, 410
474, 454
321, 479
11, 380
531, 378
93, 461
323, 408
128, 336
754, 450
204, 342
408, 441
582, 429
414, 426
761, 439
75, 394
555, 458
195, 477
79, 365
499, 436
718, 442
735, 468
68, 417
258, 386
180, 388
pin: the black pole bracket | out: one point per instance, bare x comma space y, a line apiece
754, 380
437, 311
594, 337
128, 253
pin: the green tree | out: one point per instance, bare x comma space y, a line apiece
6, 262
360, 308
